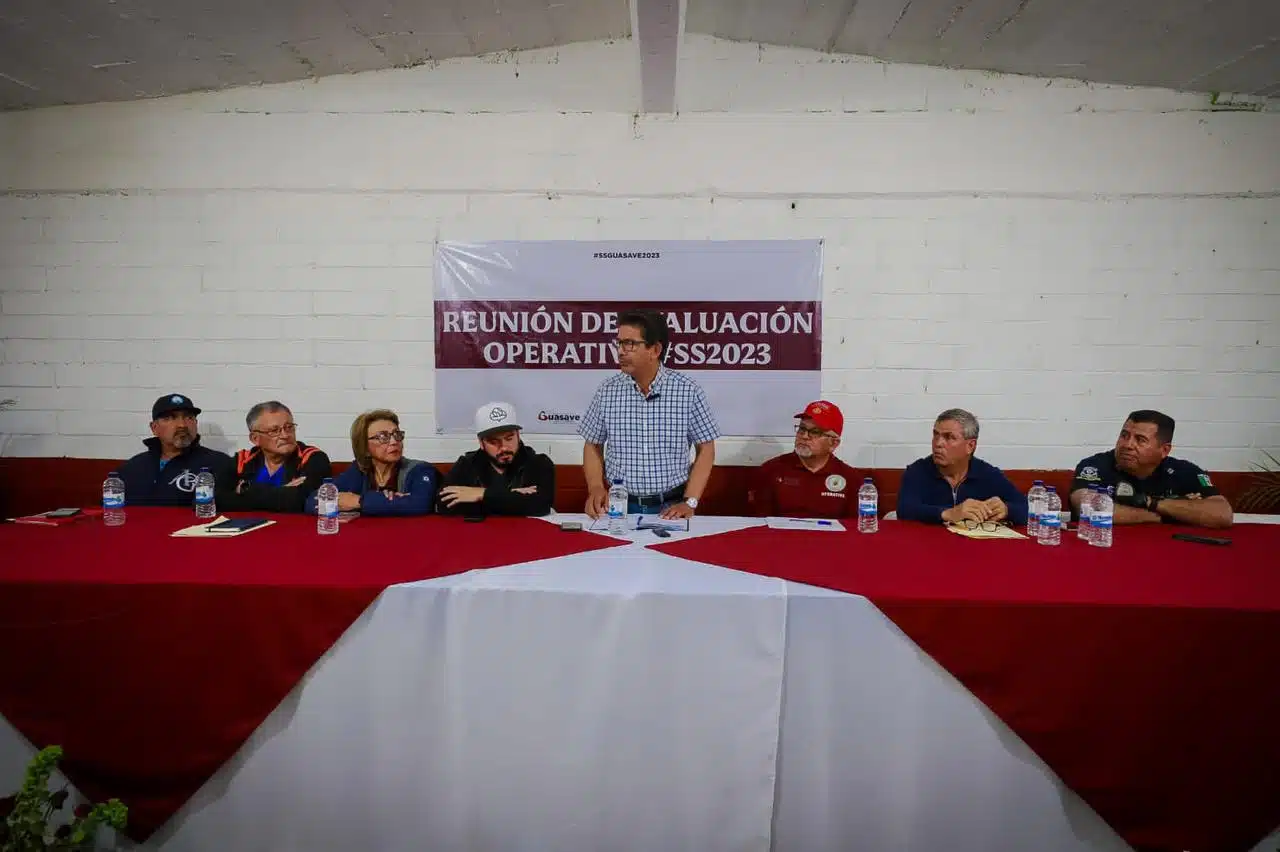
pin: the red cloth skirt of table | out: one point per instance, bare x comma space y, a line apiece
151, 659
1145, 675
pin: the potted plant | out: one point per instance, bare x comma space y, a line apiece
33, 820
1263, 494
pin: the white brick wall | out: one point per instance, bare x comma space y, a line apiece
1048, 254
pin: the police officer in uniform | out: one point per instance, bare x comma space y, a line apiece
1152, 486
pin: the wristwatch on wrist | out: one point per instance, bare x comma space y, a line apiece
691, 502
1153, 504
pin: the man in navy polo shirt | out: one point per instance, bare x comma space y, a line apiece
952, 485
165, 474
1150, 485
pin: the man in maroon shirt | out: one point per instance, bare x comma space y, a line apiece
808, 482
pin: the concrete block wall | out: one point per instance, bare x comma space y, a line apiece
1048, 254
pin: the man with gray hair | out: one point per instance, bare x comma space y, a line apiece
952, 486
279, 471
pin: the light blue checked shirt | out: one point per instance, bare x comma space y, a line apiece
647, 439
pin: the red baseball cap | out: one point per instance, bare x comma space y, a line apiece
825, 414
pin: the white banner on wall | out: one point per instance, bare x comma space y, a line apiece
533, 324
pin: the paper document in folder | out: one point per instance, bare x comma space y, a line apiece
203, 531
816, 524
985, 531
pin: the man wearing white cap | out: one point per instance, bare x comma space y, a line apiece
503, 477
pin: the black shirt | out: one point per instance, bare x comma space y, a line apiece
526, 469
1174, 478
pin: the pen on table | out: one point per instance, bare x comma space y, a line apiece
809, 521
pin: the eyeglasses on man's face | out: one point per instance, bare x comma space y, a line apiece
395, 437
811, 431
629, 344
277, 431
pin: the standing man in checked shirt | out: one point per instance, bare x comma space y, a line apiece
640, 425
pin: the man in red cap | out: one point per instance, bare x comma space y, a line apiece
809, 482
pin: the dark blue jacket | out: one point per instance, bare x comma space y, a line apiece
924, 495
145, 484
417, 481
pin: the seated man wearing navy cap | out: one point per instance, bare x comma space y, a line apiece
502, 477
280, 471
1150, 485
165, 474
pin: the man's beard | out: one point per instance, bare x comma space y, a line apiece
804, 452
182, 440
500, 462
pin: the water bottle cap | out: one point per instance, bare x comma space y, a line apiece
617, 481
1052, 489
866, 479
204, 470
114, 473
328, 479
1037, 482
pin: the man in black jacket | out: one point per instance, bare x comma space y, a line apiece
503, 477
279, 471
165, 474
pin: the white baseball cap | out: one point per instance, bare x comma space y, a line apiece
495, 416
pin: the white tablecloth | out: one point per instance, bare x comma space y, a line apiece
627, 700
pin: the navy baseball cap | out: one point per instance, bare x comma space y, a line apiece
171, 403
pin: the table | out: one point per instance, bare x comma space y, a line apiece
592, 697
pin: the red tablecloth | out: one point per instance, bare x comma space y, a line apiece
1145, 675
151, 659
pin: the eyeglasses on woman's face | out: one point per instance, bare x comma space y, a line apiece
395, 437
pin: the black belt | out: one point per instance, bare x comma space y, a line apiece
672, 495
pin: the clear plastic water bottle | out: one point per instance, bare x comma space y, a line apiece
206, 509
327, 508
1035, 507
868, 507
113, 500
1084, 529
1104, 510
617, 508
1050, 521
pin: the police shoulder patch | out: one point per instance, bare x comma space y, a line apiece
1204, 480
1090, 474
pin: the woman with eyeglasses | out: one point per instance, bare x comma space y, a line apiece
381, 481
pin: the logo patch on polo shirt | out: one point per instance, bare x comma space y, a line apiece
835, 482
1204, 480
1089, 474
1124, 489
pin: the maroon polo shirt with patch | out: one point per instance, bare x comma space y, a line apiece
783, 486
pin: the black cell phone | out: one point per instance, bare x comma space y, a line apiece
1202, 539
473, 519
62, 513
660, 532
